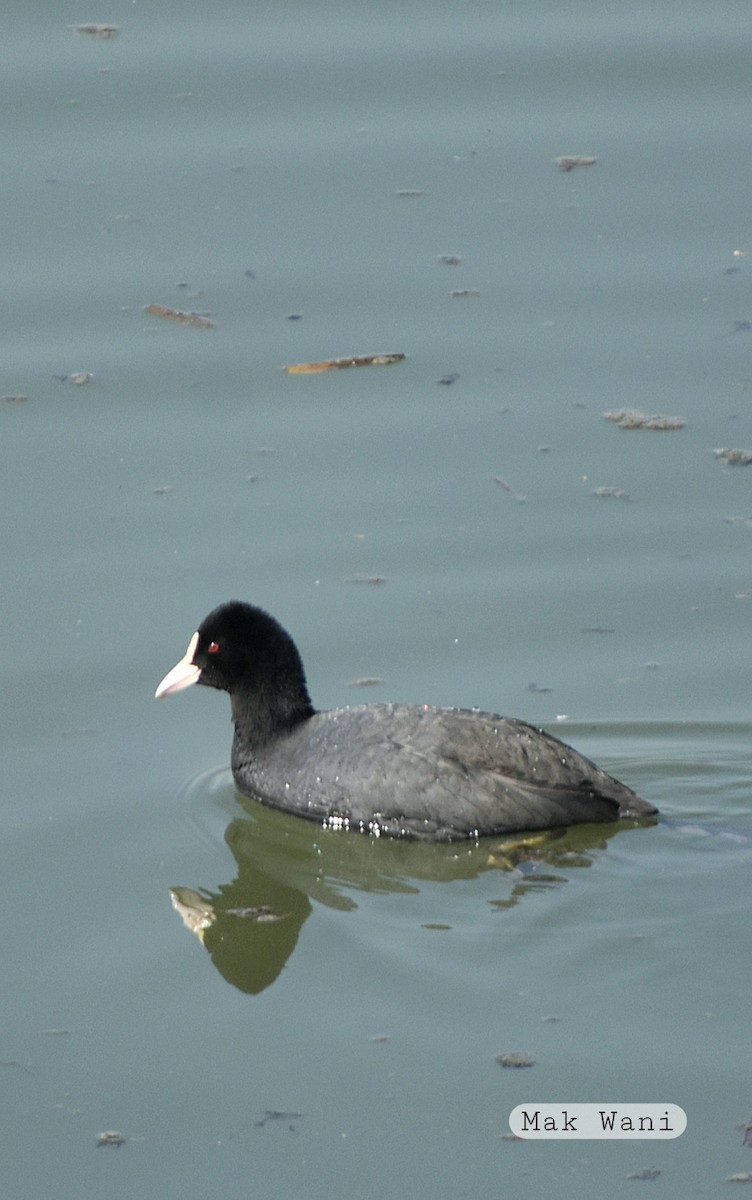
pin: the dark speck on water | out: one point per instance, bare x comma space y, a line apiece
274, 1114
568, 162
746, 1129
507, 487
13, 1063
95, 30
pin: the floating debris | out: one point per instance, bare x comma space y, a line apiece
366, 681
337, 364
568, 162
611, 493
449, 379
372, 579
263, 914
409, 193
537, 690
197, 914
647, 1174
197, 320
507, 487
79, 378
96, 31
379, 1038
15, 398
450, 260
632, 418
515, 1060
111, 1137
273, 1114
597, 629
735, 458
13, 1063
741, 1177
461, 293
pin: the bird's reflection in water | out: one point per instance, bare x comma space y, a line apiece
284, 864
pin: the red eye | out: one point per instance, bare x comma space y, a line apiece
212, 648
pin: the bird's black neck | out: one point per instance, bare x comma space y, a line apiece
262, 713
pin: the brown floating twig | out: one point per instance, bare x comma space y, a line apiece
337, 364
175, 314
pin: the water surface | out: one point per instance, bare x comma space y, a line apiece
253, 165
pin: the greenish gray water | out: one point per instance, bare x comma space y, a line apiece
248, 164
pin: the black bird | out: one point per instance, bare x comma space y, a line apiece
404, 770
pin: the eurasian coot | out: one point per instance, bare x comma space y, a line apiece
397, 769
